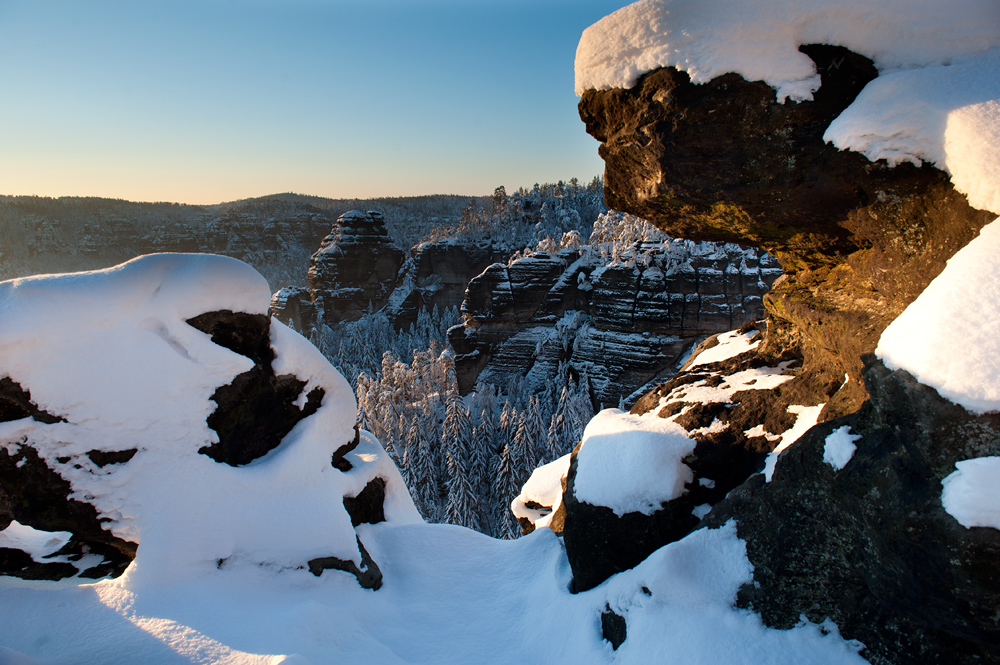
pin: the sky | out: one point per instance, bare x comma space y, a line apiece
216, 100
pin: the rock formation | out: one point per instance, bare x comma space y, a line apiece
858, 240
622, 323
94, 463
437, 274
869, 546
355, 267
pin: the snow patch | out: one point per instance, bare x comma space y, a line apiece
38, 544
543, 488
839, 447
730, 345
806, 418
632, 464
970, 495
949, 337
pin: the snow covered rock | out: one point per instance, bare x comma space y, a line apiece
728, 408
355, 267
155, 405
858, 239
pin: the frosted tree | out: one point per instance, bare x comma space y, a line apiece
423, 480
504, 490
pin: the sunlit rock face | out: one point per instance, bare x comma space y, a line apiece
156, 422
868, 543
725, 161
354, 268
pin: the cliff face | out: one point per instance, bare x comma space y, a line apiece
622, 323
725, 161
867, 544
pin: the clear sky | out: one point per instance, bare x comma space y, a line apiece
206, 101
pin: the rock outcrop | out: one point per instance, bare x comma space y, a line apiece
355, 267
96, 464
437, 274
620, 322
869, 546
725, 161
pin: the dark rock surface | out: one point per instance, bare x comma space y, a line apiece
354, 268
871, 546
15, 403
613, 627
858, 240
257, 409
369, 575
37, 496
623, 325
368, 507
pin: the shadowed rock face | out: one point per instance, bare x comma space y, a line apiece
355, 266
623, 324
869, 546
725, 161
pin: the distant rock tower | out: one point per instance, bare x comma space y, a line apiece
355, 266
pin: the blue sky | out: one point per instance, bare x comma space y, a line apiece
216, 100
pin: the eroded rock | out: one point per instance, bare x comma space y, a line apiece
858, 240
354, 268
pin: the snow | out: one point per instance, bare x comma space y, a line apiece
39, 544
111, 353
949, 337
219, 575
729, 345
806, 417
970, 495
946, 115
450, 596
544, 487
760, 40
839, 447
759, 378
632, 464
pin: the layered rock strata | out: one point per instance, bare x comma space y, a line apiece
620, 323
355, 268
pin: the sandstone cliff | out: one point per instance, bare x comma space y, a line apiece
622, 321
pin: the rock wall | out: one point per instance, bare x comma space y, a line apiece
622, 323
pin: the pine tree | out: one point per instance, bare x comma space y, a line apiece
505, 526
423, 480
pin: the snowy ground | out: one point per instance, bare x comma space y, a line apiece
450, 595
